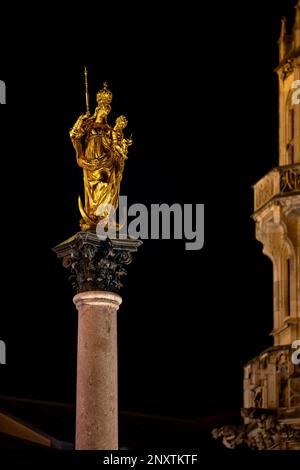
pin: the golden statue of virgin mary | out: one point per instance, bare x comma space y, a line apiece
101, 151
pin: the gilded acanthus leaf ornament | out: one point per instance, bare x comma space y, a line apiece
101, 151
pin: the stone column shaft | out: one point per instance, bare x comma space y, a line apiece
97, 390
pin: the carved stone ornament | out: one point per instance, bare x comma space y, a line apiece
287, 69
263, 431
290, 179
96, 264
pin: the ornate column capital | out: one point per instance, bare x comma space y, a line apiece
94, 264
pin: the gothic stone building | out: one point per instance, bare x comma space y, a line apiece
271, 410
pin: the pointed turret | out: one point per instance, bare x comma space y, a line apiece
297, 25
282, 40
277, 196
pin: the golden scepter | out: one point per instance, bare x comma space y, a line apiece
86, 91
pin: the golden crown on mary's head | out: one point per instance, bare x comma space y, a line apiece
104, 96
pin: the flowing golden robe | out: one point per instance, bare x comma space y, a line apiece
100, 151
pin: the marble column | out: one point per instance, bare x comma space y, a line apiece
96, 268
97, 384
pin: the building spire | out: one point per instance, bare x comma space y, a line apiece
297, 25
282, 39
283, 27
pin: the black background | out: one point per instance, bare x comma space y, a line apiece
200, 93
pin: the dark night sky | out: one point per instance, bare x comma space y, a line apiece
201, 98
